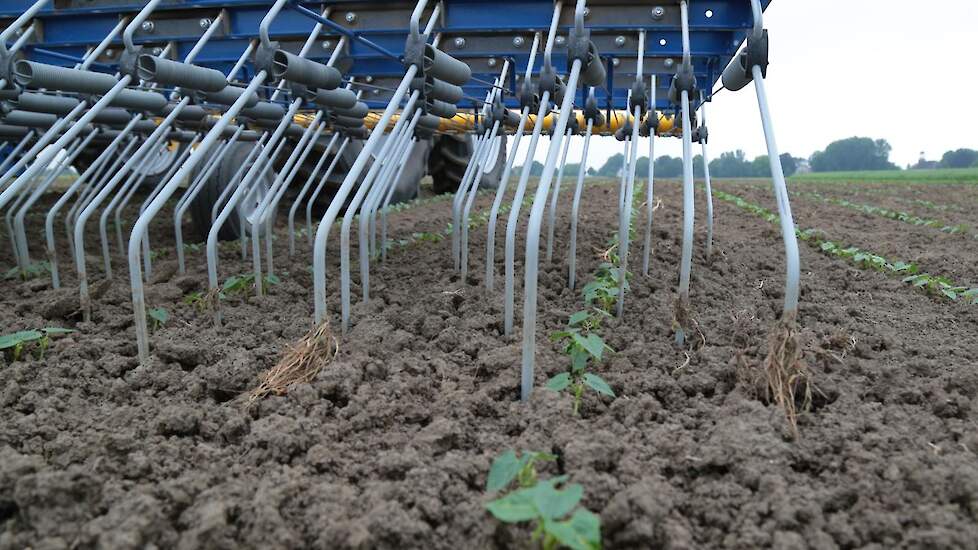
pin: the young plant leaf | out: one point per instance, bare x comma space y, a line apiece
514, 507
553, 503
8, 341
557, 383
503, 471
598, 384
578, 318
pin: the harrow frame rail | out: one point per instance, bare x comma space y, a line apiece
376, 32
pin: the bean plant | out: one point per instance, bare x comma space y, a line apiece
13, 345
582, 344
158, 317
551, 505
32, 271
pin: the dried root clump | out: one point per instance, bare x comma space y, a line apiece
789, 381
686, 327
300, 363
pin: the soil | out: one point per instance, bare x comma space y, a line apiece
389, 447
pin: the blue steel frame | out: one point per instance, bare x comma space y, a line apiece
374, 51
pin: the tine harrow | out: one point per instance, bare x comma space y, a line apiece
334, 113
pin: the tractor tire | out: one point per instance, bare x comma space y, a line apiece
450, 155
200, 208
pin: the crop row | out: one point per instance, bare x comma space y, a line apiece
937, 285
897, 215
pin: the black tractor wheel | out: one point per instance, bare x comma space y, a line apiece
200, 208
450, 155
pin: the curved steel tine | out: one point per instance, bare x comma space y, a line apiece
575, 208
552, 212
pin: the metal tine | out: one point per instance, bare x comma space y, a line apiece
69, 157
531, 263
265, 216
402, 164
354, 206
16, 151
256, 192
84, 178
95, 187
45, 156
133, 181
142, 224
339, 199
706, 185
481, 143
509, 298
174, 166
42, 142
256, 172
552, 212
575, 207
321, 185
625, 219
792, 262
384, 179
258, 216
130, 164
504, 179
191, 193
285, 182
305, 189
492, 145
238, 174
689, 203
649, 192
387, 181
514, 213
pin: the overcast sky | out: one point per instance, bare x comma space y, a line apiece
902, 70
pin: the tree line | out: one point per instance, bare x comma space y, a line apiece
846, 155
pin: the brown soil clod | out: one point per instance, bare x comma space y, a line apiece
789, 381
300, 363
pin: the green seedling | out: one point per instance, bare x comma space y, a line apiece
192, 247
32, 271
551, 506
583, 344
158, 317
240, 284
13, 345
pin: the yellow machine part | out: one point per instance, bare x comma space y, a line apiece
464, 122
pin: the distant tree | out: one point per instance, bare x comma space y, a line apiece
611, 166
731, 165
592, 172
760, 167
852, 154
961, 158
668, 167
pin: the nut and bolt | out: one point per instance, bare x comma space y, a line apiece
658, 12
587, 13
350, 17
157, 51
669, 62
368, 79
327, 45
147, 26
615, 61
492, 62
519, 41
205, 23
560, 41
459, 42
620, 41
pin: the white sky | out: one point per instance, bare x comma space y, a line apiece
901, 70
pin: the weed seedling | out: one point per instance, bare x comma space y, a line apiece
13, 345
32, 271
551, 505
239, 284
582, 344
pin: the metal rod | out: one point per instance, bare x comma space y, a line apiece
575, 208
498, 201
